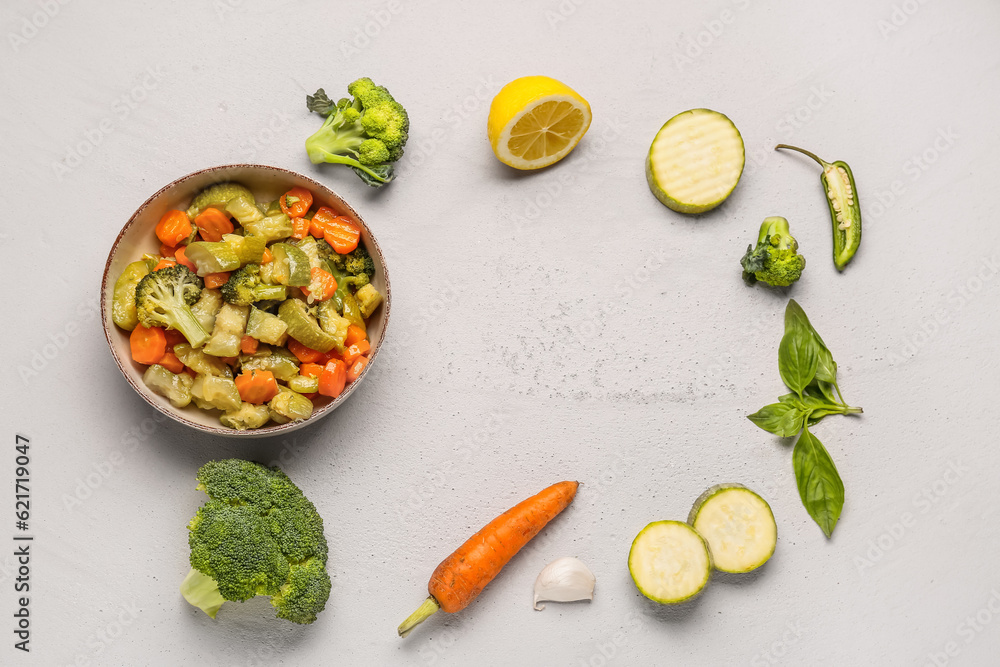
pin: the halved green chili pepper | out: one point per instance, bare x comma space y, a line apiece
845, 209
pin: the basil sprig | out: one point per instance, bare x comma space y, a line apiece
807, 367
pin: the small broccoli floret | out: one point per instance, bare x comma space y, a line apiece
367, 133
245, 287
257, 535
775, 260
356, 262
164, 298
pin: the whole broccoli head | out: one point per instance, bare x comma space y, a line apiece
367, 133
164, 298
245, 287
257, 535
775, 260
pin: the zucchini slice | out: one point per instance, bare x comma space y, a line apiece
669, 562
695, 161
738, 526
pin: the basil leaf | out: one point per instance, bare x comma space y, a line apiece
820, 486
822, 391
797, 359
826, 369
782, 419
795, 318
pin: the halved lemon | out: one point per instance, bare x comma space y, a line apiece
536, 121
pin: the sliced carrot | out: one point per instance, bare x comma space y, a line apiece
333, 378
166, 250
355, 334
216, 280
296, 203
359, 349
306, 355
231, 361
325, 281
330, 356
342, 234
462, 576
164, 263
174, 337
170, 361
355, 370
173, 228
256, 386
323, 217
268, 257
190, 371
311, 395
181, 256
300, 228
248, 345
311, 370
148, 344
213, 223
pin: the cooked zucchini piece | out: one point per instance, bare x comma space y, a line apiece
202, 363
352, 311
278, 360
176, 387
368, 299
291, 265
217, 195
290, 406
303, 384
266, 328
210, 391
669, 562
332, 323
244, 209
123, 297
207, 307
246, 417
270, 228
212, 257
303, 327
230, 324
738, 526
249, 248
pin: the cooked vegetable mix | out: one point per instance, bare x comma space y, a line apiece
738, 526
695, 161
217, 314
845, 209
464, 574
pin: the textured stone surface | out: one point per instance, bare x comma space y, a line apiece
547, 326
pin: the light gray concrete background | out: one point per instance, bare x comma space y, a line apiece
547, 326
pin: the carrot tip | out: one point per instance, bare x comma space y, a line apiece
425, 611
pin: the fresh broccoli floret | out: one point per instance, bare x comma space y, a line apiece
257, 535
774, 260
367, 133
164, 298
245, 287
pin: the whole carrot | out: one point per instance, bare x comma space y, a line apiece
463, 575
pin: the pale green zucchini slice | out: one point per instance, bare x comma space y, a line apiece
669, 562
695, 161
738, 526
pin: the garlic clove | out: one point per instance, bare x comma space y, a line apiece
565, 579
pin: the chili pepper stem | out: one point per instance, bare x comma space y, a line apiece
425, 611
823, 163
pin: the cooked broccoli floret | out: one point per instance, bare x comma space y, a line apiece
245, 287
163, 299
774, 260
367, 133
257, 535
356, 262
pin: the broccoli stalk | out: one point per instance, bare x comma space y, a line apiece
775, 260
164, 298
256, 535
367, 133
